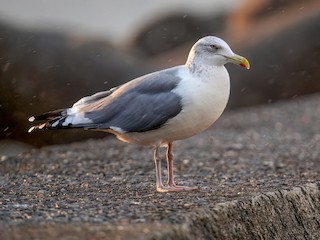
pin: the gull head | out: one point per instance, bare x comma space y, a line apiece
214, 51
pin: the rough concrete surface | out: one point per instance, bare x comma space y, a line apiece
258, 169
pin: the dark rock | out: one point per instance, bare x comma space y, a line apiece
41, 72
283, 65
174, 31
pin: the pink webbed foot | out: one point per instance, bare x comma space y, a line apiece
176, 188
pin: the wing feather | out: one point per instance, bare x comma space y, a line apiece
141, 105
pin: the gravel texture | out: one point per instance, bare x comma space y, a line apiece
109, 187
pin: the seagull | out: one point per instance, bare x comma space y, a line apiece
158, 108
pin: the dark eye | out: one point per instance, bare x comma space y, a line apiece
214, 47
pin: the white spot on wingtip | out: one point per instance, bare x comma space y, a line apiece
31, 119
31, 129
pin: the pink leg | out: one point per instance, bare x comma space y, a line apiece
170, 182
157, 162
171, 186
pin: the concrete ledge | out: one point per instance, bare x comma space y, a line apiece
283, 214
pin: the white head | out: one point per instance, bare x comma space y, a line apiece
215, 52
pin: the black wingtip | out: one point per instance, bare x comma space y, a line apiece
48, 115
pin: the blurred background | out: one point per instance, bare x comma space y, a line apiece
54, 52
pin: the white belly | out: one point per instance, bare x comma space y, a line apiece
203, 102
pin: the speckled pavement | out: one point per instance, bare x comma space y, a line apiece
105, 189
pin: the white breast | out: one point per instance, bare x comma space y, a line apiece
204, 98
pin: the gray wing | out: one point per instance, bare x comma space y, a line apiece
141, 105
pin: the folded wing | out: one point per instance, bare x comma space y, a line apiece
143, 104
